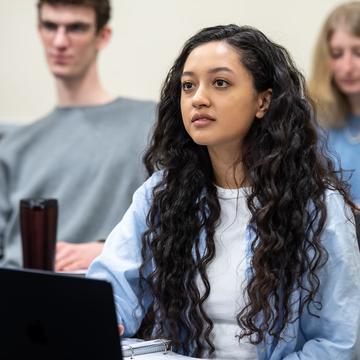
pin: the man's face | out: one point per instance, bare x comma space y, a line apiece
70, 40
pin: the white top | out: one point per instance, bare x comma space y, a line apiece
226, 275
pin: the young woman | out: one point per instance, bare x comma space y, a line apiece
241, 244
335, 86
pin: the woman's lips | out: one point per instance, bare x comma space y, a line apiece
201, 120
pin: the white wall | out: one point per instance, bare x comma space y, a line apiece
148, 35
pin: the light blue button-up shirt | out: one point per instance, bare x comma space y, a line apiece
332, 335
345, 142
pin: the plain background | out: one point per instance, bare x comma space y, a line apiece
147, 36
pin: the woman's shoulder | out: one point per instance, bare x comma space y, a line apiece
154, 179
338, 211
335, 203
340, 232
146, 189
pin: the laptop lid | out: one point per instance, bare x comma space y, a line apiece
50, 316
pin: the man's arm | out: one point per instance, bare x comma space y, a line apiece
4, 206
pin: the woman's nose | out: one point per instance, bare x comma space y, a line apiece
201, 97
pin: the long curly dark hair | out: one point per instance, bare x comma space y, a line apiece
288, 177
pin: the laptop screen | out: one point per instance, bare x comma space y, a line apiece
45, 315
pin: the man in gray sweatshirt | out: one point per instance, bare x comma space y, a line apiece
86, 152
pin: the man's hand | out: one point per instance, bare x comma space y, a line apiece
70, 257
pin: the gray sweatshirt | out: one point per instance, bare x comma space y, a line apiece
89, 158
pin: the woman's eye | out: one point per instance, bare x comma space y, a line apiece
186, 86
336, 54
221, 83
356, 52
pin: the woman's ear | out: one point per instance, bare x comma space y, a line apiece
264, 100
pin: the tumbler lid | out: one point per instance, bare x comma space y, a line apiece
38, 203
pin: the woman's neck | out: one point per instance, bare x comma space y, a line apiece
354, 101
228, 171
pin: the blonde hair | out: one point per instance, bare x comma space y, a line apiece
332, 106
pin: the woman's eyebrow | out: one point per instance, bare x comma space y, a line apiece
210, 71
219, 69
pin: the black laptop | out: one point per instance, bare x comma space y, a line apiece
50, 316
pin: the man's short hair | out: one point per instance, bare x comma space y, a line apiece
102, 8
